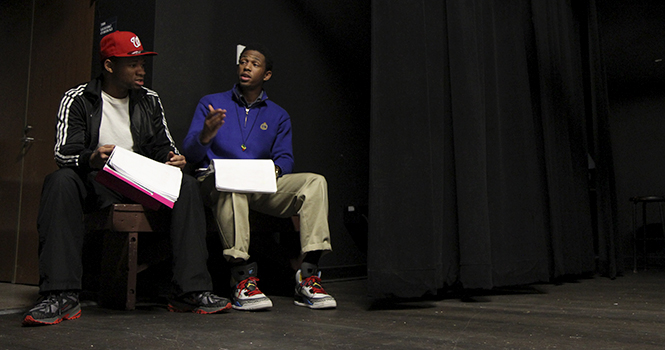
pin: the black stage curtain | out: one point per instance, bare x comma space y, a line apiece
484, 116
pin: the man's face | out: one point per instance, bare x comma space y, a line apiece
129, 72
252, 70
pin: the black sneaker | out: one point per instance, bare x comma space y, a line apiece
200, 303
53, 309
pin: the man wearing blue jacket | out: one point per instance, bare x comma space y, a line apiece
243, 123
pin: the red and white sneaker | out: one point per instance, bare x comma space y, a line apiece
310, 293
248, 297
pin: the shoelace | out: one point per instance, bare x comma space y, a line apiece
313, 282
47, 303
250, 285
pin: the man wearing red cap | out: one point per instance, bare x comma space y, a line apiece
114, 109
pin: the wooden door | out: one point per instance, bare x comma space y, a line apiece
47, 48
14, 33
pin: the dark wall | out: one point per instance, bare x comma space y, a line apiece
634, 58
321, 76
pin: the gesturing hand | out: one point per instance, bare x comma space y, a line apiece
214, 120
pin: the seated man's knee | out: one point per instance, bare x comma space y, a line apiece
62, 179
190, 187
318, 180
189, 183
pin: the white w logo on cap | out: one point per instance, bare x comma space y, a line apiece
135, 40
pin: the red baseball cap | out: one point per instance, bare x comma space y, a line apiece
121, 44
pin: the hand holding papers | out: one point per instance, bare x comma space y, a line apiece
142, 179
244, 175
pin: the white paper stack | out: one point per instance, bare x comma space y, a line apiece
245, 175
153, 176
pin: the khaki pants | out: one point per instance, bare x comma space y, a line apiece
302, 194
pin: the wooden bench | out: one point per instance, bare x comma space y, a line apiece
121, 225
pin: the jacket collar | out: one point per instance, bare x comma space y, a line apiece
239, 98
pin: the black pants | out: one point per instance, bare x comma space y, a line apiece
67, 195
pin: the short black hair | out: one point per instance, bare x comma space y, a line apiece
263, 50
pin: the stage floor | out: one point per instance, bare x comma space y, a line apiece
594, 313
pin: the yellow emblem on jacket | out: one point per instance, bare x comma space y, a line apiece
264, 126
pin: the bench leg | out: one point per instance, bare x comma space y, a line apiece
119, 269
